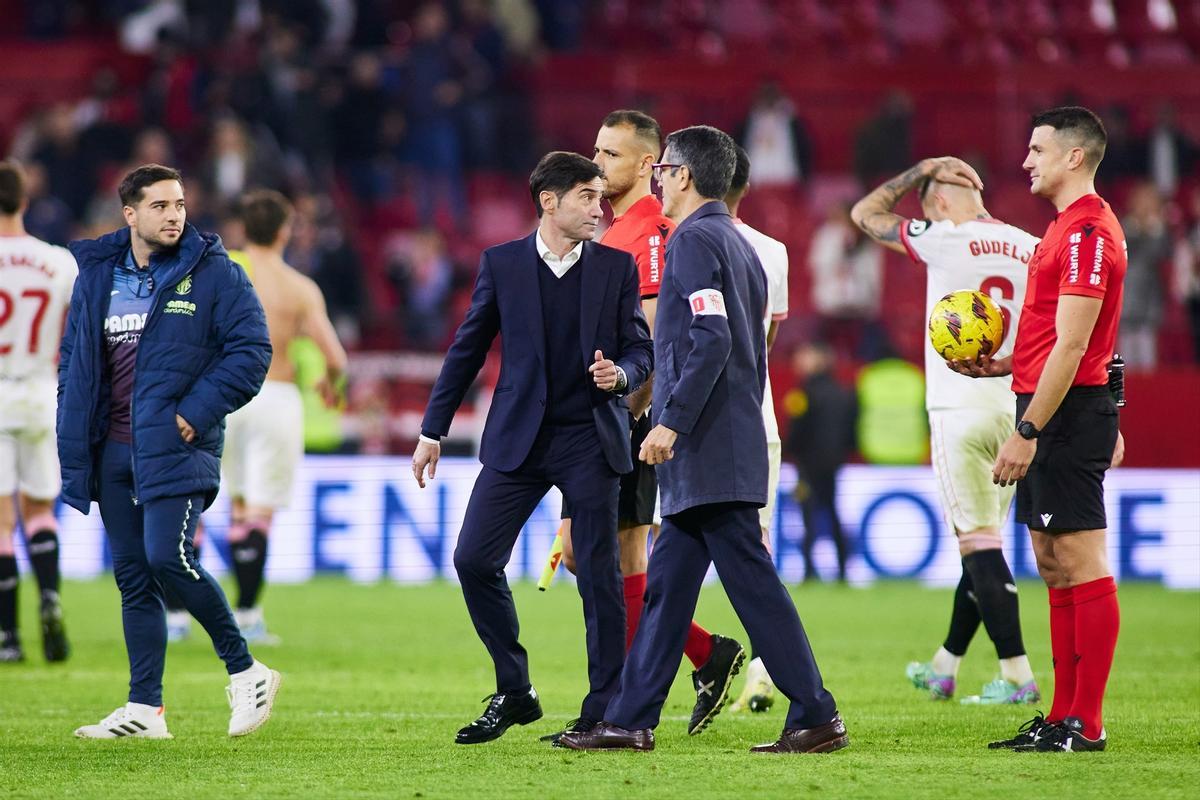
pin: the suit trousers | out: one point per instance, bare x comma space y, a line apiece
152, 547
569, 457
727, 535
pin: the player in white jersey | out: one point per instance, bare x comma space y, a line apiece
35, 289
962, 247
759, 692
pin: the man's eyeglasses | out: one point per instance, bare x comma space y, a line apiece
657, 169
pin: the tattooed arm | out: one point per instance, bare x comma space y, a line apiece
874, 215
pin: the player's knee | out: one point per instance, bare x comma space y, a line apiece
6, 541
978, 540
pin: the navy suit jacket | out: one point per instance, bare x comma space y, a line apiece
507, 301
710, 351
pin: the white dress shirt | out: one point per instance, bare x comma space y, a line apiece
559, 266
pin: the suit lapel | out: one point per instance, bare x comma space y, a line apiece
591, 298
529, 289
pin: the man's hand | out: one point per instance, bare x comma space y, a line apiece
982, 367
1014, 459
1119, 451
604, 373
426, 455
186, 431
949, 169
328, 393
658, 445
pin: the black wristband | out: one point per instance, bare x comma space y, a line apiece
1028, 430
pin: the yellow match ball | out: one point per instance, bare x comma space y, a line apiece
965, 325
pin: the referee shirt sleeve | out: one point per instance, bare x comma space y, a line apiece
1088, 259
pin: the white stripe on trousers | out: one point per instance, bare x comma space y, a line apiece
183, 539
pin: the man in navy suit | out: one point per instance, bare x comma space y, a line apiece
711, 445
559, 302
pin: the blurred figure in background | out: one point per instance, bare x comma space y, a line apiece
847, 285
775, 139
1186, 283
1150, 245
265, 439
820, 441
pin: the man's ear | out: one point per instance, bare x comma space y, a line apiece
645, 164
548, 200
129, 214
1075, 158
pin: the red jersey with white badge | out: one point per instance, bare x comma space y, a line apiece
642, 231
1082, 253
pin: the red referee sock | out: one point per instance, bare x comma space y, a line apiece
1062, 648
699, 645
1097, 620
635, 598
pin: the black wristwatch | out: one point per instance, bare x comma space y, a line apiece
1028, 430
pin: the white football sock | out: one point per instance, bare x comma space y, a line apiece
946, 663
1016, 670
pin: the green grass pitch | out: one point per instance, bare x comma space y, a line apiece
378, 678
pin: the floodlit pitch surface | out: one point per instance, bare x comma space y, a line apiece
378, 678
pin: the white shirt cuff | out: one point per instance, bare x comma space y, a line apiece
422, 437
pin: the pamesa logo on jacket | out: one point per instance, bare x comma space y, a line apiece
182, 306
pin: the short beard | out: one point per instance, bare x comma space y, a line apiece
610, 192
157, 245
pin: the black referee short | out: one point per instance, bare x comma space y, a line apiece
639, 489
1063, 490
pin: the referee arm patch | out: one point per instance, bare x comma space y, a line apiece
707, 301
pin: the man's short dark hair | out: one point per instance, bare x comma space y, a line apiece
710, 156
560, 172
645, 127
741, 171
1081, 126
264, 212
12, 187
133, 185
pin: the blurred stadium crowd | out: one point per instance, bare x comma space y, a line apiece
404, 133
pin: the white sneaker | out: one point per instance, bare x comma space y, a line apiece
251, 695
179, 626
131, 720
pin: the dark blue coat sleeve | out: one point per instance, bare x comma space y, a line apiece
237, 372
66, 345
695, 267
465, 357
636, 354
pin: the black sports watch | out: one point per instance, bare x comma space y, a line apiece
1028, 430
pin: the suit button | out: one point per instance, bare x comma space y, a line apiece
542, 401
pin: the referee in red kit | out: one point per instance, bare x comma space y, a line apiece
1067, 425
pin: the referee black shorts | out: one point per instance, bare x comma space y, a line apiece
1063, 490
639, 489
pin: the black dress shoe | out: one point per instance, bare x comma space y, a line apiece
712, 681
579, 725
821, 739
503, 711
606, 736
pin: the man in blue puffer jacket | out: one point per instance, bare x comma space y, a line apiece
164, 338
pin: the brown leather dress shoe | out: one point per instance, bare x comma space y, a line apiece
606, 736
821, 739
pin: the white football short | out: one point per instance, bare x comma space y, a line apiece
963, 447
28, 448
766, 514
29, 463
264, 443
